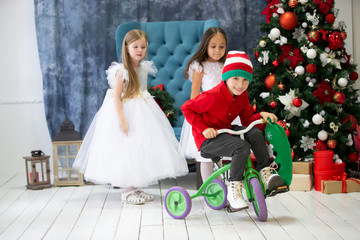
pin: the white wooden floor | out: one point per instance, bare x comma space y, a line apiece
96, 212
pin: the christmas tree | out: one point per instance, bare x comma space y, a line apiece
306, 77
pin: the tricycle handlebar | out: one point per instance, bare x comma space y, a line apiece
240, 132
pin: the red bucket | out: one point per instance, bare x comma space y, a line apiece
340, 168
323, 175
323, 160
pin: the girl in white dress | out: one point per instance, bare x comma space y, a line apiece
130, 142
204, 71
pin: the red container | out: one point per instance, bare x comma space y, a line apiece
323, 160
340, 168
323, 175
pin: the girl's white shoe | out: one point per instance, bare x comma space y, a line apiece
148, 197
132, 197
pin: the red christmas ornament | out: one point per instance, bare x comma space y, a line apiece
335, 40
339, 97
311, 68
287, 131
292, 155
293, 3
254, 107
314, 36
354, 76
330, 18
275, 63
331, 143
281, 123
281, 86
297, 102
270, 81
256, 54
353, 121
273, 104
320, 145
353, 157
288, 20
344, 35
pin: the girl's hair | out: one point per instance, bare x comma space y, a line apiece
201, 54
132, 88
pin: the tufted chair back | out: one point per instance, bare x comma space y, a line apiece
171, 44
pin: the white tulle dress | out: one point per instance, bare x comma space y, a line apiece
149, 153
212, 77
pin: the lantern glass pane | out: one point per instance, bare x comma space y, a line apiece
61, 150
72, 150
74, 175
62, 163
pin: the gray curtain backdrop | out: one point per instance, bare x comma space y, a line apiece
76, 41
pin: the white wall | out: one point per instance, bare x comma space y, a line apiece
23, 127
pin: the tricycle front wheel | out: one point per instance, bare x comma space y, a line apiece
258, 200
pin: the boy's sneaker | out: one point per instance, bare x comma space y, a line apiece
235, 196
270, 178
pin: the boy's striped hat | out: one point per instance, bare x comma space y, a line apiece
237, 64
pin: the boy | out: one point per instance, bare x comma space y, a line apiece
216, 109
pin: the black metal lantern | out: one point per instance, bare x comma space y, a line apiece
66, 145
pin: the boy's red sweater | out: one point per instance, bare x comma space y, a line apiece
217, 108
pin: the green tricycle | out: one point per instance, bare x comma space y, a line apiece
178, 200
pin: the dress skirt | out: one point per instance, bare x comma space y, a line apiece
149, 153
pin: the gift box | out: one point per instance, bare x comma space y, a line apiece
301, 182
340, 186
302, 167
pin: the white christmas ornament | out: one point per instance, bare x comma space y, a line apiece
310, 84
311, 53
327, 49
260, 59
304, 25
264, 94
303, 1
265, 57
322, 113
274, 33
322, 135
262, 43
342, 82
335, 25
350, 141
300, 70
308, 79
338, 160
317, 119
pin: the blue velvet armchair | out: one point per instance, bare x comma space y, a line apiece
171, 44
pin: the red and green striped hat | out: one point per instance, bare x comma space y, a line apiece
237, 64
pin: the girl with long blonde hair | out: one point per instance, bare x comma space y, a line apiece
130, 142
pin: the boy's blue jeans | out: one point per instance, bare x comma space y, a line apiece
226, 145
